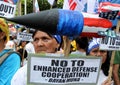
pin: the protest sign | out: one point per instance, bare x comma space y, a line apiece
110, 43
47, 70
24, 36
7, 9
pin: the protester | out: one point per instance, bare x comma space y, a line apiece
93, 50
81, 43
43, 42
12, 62
29, 46
22, 44
116, 68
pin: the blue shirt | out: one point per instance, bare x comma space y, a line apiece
8, 67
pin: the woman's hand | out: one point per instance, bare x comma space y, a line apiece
107, 82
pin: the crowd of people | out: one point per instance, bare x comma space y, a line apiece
13, 69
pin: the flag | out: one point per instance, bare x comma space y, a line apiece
11, 1
93, 24
36, 6
51, 2
92, 6
77, 5
107, 6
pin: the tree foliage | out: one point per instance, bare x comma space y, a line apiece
43, 5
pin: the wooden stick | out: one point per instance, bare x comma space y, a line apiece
19, 8
67, 45
111, 66
113, 55
23, 56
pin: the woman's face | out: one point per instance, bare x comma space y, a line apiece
99, 53
23, 43
44, 43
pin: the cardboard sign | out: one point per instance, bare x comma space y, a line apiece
7, 9
24, 36
110, 43
47, 70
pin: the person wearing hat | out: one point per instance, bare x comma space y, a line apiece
93, 50
43, 43
11, 64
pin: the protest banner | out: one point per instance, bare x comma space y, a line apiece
24, 36
110, 43
47, 70
7, 9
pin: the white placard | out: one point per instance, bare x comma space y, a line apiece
49, 70
110, 43
24, 36
7, 9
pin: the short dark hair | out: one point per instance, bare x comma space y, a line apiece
82, 42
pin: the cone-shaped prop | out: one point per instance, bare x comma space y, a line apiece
55, 21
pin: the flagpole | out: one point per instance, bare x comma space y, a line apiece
113, 55
33, 5
25, 7
19, 8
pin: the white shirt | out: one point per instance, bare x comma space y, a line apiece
20, 77
30, 48
101, 78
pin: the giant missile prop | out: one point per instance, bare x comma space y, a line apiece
63, 22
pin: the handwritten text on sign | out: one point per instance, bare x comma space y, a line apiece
61, 71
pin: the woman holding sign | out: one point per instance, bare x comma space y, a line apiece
43, 43
93, 50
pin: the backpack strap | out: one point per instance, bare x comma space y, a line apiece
4, 56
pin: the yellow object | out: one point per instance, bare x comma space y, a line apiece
4, 27
73, 43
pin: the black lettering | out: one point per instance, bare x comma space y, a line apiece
73, 62
80, 63
34, 68
62, 63
1, 7
105, 40
6, 8
43, 74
